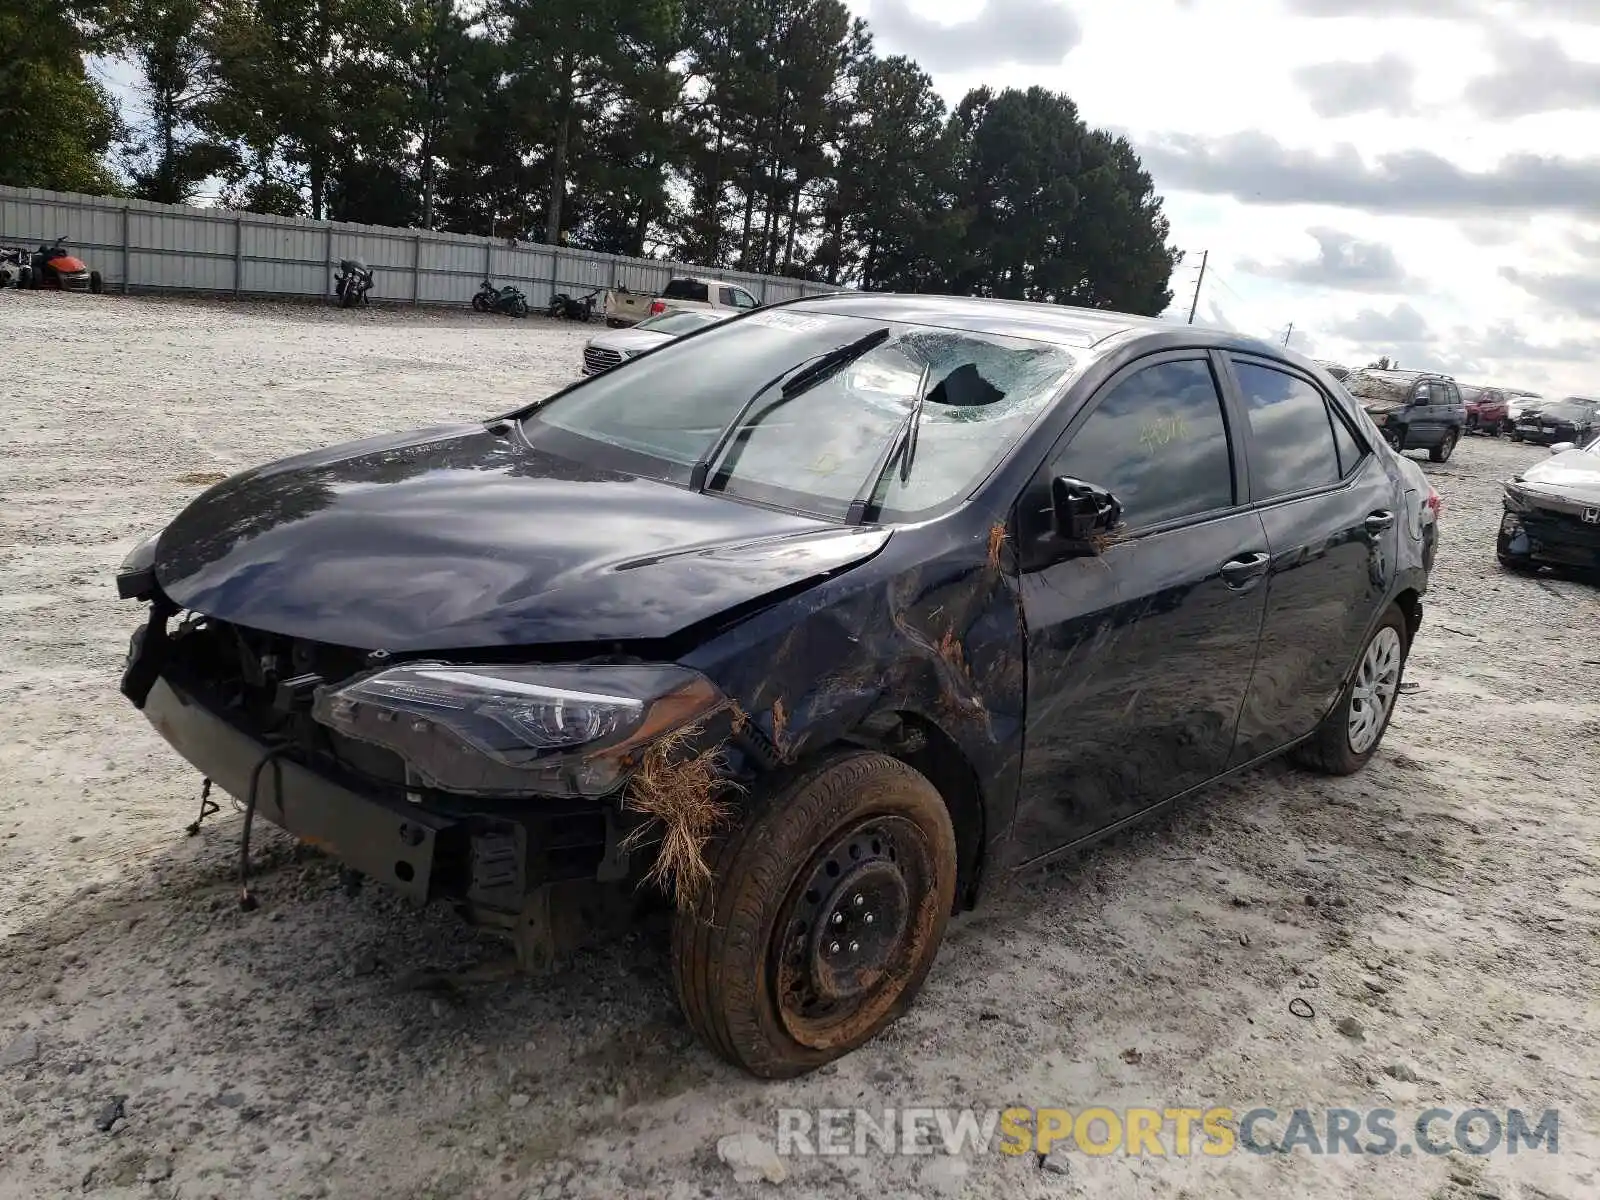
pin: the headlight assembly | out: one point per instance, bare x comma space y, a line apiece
1516, 500
517, 730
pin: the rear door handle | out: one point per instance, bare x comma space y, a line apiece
1244, 570
1380, 521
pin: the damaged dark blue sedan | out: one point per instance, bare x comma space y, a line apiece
821, 621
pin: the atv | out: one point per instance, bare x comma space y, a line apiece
53, 267
15, 269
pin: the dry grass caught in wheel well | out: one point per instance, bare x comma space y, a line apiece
683, 792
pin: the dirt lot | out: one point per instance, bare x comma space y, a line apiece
1447, 899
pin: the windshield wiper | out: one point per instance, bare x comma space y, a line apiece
902, 443
800, 381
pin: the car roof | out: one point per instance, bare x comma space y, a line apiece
1397, 376
1060, 324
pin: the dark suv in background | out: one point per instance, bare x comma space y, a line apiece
1414, 410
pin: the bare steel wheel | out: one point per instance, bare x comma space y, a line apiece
848, 936
824, 916
1377, 683
1349, 735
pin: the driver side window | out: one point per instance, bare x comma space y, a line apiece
1158, 442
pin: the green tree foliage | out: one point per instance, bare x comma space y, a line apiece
171, 155
57, 124
764, 135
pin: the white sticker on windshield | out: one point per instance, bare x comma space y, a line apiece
783, 320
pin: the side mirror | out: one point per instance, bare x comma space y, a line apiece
1563, 447
1083, 510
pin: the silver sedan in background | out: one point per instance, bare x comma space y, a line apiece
609, 349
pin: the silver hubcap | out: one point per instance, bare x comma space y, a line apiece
1377, 681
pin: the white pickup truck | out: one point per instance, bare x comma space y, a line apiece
623, 307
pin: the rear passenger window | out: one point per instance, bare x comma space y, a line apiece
1292, 447
1350, 450
1158, 443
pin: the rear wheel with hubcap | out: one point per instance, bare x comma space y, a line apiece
1350, 734
823, 917
1441, 452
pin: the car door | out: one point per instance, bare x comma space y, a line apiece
1419, 416
1139, 656
1453, 416
1331, 516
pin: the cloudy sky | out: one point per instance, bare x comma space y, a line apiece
1418, 178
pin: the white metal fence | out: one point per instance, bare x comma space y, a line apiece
138, 246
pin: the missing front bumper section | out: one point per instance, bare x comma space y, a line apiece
490, 863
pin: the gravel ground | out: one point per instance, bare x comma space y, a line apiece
1446, 900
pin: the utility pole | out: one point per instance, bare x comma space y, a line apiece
1199, 279
1286, 334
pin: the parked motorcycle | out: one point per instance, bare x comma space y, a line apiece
53, 267
353, 282
15, 267
507, 299
573, 308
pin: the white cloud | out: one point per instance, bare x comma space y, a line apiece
1252, 117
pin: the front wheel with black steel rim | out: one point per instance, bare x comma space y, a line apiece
1441, 452
1350, 734
825, 912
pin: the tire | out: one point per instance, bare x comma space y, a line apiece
519, 307
24, 277
1441, 452
1395, 438
1331, 750
347, 298
34, 278
479, 304
97, 283
860, 820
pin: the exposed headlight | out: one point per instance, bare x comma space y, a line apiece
1516, 500
519, 730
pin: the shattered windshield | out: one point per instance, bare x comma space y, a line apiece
818, 447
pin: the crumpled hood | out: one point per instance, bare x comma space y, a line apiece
1574, 474
453, 538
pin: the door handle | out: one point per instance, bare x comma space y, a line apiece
1244, 570
1380, 521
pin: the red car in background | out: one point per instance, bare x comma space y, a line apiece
1488, 409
